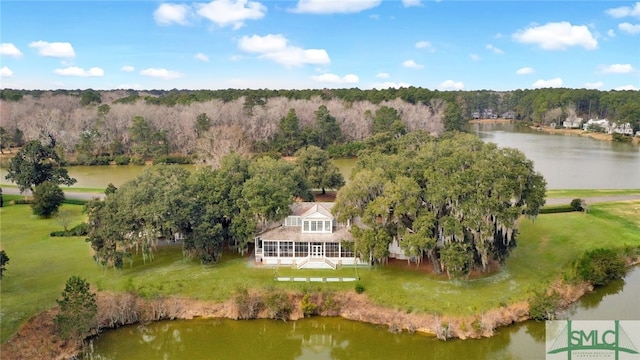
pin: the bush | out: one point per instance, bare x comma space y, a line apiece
543, 306
577, 204
309, 308
247, 305
600, 266
556, 209
122, 160
621, 138
359, 288
81, 229
278, 306
22, 202
74, 201
172, 159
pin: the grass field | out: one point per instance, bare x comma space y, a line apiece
39, 267
580, 193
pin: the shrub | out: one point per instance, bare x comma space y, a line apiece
600, 266
543, 306
122, 160
22, 201
247, 305
278, 305
74, 201
359, 288
172, 159
81, 229
577, 204
78, 308
309, 308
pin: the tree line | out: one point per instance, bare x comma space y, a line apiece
96, 127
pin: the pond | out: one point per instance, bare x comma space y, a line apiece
336, 338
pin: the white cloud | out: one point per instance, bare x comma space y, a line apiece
54, 49
617, 69
410, 3
425, 45
611, 33
497, 36
277, 48
557, 36
128, 68
201, 57
626, 87
525, 71
334, 6
5, 72
8, 49
494, 49
382, 75
475, 57
629, 28
451, 85
390, 84
161, 73
167, 14
335, 79
411, 64
593, 85
263, 44
231, 12
624, 11
557, 82
76, 71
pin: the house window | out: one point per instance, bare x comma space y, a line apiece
332, 249
302, 249
346, 250
292, 221
286, 248
316, 226
270, 248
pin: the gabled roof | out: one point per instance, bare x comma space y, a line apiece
307, 209
317, 209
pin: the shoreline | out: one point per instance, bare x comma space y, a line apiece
578, 132
37, 338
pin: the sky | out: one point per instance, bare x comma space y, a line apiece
315, 44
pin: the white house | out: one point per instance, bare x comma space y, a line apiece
625, 129
308, 238
572, 123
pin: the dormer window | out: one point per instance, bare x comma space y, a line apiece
316, 226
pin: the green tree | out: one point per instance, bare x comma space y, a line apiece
203, 124
4, 260
453, 118
6, 140
327, 131
47, 199
78, 308
452, 193
36, 163
387, 119
290, 137
90, 96
318, 169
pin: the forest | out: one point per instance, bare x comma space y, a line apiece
169, 126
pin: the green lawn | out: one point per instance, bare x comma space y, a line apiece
584, 193
40, 266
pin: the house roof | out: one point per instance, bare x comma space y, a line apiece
305, 209
293, 233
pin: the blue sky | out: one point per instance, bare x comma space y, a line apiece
445, 45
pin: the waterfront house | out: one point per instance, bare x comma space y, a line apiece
311, 237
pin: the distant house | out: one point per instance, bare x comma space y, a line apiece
475, 115
572, 123
308, 238
509, 115
625, 129
602, 124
